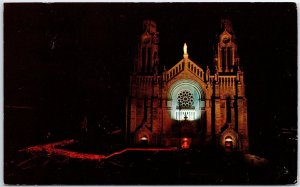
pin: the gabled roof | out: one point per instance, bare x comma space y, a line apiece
185, 64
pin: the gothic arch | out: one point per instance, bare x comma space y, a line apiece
188, 82
143, 133
195, 94
232, 134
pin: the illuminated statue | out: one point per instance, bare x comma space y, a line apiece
185, 49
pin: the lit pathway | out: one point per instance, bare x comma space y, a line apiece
53, 149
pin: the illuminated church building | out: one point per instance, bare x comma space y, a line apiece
187, 105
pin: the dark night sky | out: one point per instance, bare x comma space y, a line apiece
65, 61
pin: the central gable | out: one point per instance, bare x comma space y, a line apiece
185, 66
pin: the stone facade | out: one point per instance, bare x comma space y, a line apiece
187, 105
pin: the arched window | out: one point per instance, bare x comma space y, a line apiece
185, 100
229, 57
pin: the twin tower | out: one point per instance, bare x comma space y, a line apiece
187, 105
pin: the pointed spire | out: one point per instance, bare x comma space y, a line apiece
226, 25
185, 54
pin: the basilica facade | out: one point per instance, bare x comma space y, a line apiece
187, 105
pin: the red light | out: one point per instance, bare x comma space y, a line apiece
56, 149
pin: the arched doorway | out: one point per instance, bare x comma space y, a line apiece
185, 143
228, 143
144, 141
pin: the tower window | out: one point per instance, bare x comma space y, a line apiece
229, 57
149, 60
223, 58
155, 55
143, 59
228, 112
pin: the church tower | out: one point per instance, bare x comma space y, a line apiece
148, 60
226, 58
143, 103
229, 99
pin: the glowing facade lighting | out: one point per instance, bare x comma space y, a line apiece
186, 100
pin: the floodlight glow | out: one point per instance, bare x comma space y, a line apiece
228, 139
185, 100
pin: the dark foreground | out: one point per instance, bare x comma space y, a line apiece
146, 167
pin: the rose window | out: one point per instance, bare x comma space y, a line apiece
185, 99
